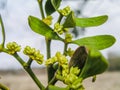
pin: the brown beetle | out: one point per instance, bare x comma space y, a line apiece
79, 57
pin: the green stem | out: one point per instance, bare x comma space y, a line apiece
60, 18
3, 87
50, 69
20, 60
41, 8
29, 71
3, 31
65, 48
29, 62
53, 81
48, 44
33, 76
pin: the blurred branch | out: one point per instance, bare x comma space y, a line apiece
79, 12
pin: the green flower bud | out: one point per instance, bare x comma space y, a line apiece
68, 37
77, 84
70, 52
65, 72
34, 54
13, 47
48, 20
51, 61
70, 79
65, 11
65, 66
28, 50
58, 75
74, 70
61, 58
58, 28
38, 57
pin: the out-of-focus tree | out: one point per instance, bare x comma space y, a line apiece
114, 60
3, 4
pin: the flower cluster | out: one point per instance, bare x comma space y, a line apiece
48, 20
61, 59
34, 54
51, 60
77, 84
68, 75
13, 47
68, 37
71, 76
59, 28
65, 11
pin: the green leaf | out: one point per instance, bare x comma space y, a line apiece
97, 42
56, 3
90, 22
51, 87
41, 28
51, 6
95, 64
70, 21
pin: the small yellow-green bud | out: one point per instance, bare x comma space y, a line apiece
74, 70
58, 28
65, 11
77, 84
13, 47
61, 58
65, 66
70, 52
58, 75
68, 37
48, 20
65, 72
28, 50
70, 79
34, 54
51, 61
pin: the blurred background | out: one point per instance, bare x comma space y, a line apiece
15, 14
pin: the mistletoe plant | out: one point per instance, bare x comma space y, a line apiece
86, 61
